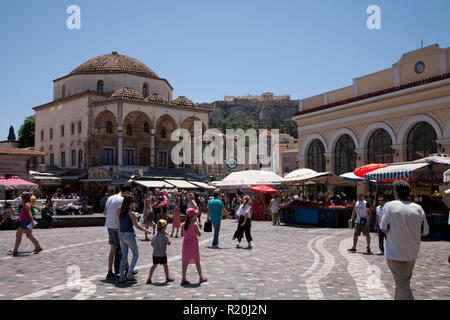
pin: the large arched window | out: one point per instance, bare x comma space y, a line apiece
109, 127
145, 90
345, 155
379, 147
316, 156
100, 86
129, 130
421, 141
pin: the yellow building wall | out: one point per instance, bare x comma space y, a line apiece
313, 102
432, 68
340, 94
376, 81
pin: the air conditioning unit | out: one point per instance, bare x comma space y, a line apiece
42, 167
138, 172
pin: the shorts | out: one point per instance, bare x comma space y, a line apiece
363, 228
24, 225
149, 217
159, 260
113, 237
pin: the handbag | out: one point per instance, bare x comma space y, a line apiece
207, 227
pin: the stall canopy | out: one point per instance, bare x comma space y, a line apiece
245, 179
361, 171
264, 189
181, 184
154, 184
299, 173
202, 185
307, 176
15, 183
332, 179
351, 177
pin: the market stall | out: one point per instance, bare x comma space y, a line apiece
329, 211
12, 187
262, 197
243, 181
95, 187
425, 177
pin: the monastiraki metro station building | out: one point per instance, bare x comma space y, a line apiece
113, 112
398, 114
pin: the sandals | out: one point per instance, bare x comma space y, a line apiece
204, 279
132, 279
36, 251
149, 281
184, 283
169, 280
12, 253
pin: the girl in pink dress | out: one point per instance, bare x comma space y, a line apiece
190, 252
176, 216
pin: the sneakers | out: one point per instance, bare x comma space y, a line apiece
169, 280
368, 251
380, 253
237, 245
352, 249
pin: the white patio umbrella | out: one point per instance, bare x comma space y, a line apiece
244, 179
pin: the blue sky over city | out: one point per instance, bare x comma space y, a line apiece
208, 49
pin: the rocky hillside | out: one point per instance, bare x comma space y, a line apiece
270, 114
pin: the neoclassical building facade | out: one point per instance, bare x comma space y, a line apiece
398, 114
112, 111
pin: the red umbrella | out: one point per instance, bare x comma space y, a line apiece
361, 171
264, 189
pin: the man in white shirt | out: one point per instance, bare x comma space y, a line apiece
361, 217
403, 222
112, 210
381, 234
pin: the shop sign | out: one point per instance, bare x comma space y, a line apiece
99, 174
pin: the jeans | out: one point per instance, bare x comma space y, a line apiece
381, 237
216, 226
128, 240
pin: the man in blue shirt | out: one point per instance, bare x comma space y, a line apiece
215, 211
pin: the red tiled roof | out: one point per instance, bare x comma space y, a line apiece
375, 93
20, 152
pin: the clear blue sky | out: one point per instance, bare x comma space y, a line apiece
209, 48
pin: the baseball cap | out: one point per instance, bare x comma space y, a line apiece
161, 224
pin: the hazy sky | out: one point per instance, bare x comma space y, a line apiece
208, 49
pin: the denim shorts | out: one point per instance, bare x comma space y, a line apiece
24, 224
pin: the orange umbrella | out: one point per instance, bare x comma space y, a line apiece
361, 171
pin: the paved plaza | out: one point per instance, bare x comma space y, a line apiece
286, 263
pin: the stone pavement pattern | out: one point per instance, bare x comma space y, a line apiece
286, 263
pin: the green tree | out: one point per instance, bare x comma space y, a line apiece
26, 132
11, 135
